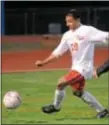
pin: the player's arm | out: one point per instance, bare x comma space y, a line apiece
49, 59
59, 51
98, 36
102, 69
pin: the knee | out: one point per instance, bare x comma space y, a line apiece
78, 93
61, 84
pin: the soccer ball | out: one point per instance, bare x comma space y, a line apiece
12, 100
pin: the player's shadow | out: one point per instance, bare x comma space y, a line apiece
40, 122
81, 118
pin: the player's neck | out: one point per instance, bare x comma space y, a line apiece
77, 26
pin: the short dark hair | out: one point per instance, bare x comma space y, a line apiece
74, 13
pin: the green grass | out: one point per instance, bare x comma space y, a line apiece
37, 89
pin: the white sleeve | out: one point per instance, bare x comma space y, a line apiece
61, 48
98, 36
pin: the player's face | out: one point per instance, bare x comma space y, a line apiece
71, 22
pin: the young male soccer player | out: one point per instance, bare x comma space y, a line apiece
102, 69
79, 40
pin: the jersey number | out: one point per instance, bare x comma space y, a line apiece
75, 46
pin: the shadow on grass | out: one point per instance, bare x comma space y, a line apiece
81, 118
29, 122
41, 122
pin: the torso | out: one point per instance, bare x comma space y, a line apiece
82, 51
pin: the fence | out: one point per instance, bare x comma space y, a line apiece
36, 21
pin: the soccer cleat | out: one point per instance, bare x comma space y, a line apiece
49, 109
103, 114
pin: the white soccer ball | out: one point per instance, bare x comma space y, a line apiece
12, 100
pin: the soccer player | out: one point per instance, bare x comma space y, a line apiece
102, 69
79, 40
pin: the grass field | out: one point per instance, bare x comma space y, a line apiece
37, 89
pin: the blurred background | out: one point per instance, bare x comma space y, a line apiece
29, 20
39, 23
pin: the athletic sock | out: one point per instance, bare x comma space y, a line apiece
58, 99
92, 102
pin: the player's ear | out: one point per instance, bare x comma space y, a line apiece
78, 20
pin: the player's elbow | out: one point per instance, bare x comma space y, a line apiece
56, 55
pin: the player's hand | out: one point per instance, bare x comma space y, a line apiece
39, 63
95, 74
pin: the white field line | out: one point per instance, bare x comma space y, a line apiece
34, 70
